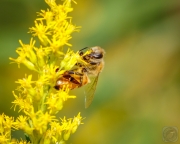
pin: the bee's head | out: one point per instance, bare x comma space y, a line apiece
97, 53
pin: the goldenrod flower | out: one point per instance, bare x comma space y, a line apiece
6, 123
36, 96
22, 123
69, 126
55, 101
26, 55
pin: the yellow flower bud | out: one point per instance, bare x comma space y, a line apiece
29, 64
66, 135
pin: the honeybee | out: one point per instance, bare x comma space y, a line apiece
84, 73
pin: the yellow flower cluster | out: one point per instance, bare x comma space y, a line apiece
37, 99
6, 123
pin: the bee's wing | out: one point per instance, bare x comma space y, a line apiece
90, 90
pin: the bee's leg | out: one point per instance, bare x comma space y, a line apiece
96, 55
78, 64
57, 69
84, 70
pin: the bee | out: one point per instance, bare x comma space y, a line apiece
84, 74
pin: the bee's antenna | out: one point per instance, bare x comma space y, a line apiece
83, 49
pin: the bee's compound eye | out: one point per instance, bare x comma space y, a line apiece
97, 55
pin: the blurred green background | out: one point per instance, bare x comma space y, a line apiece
138, 92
